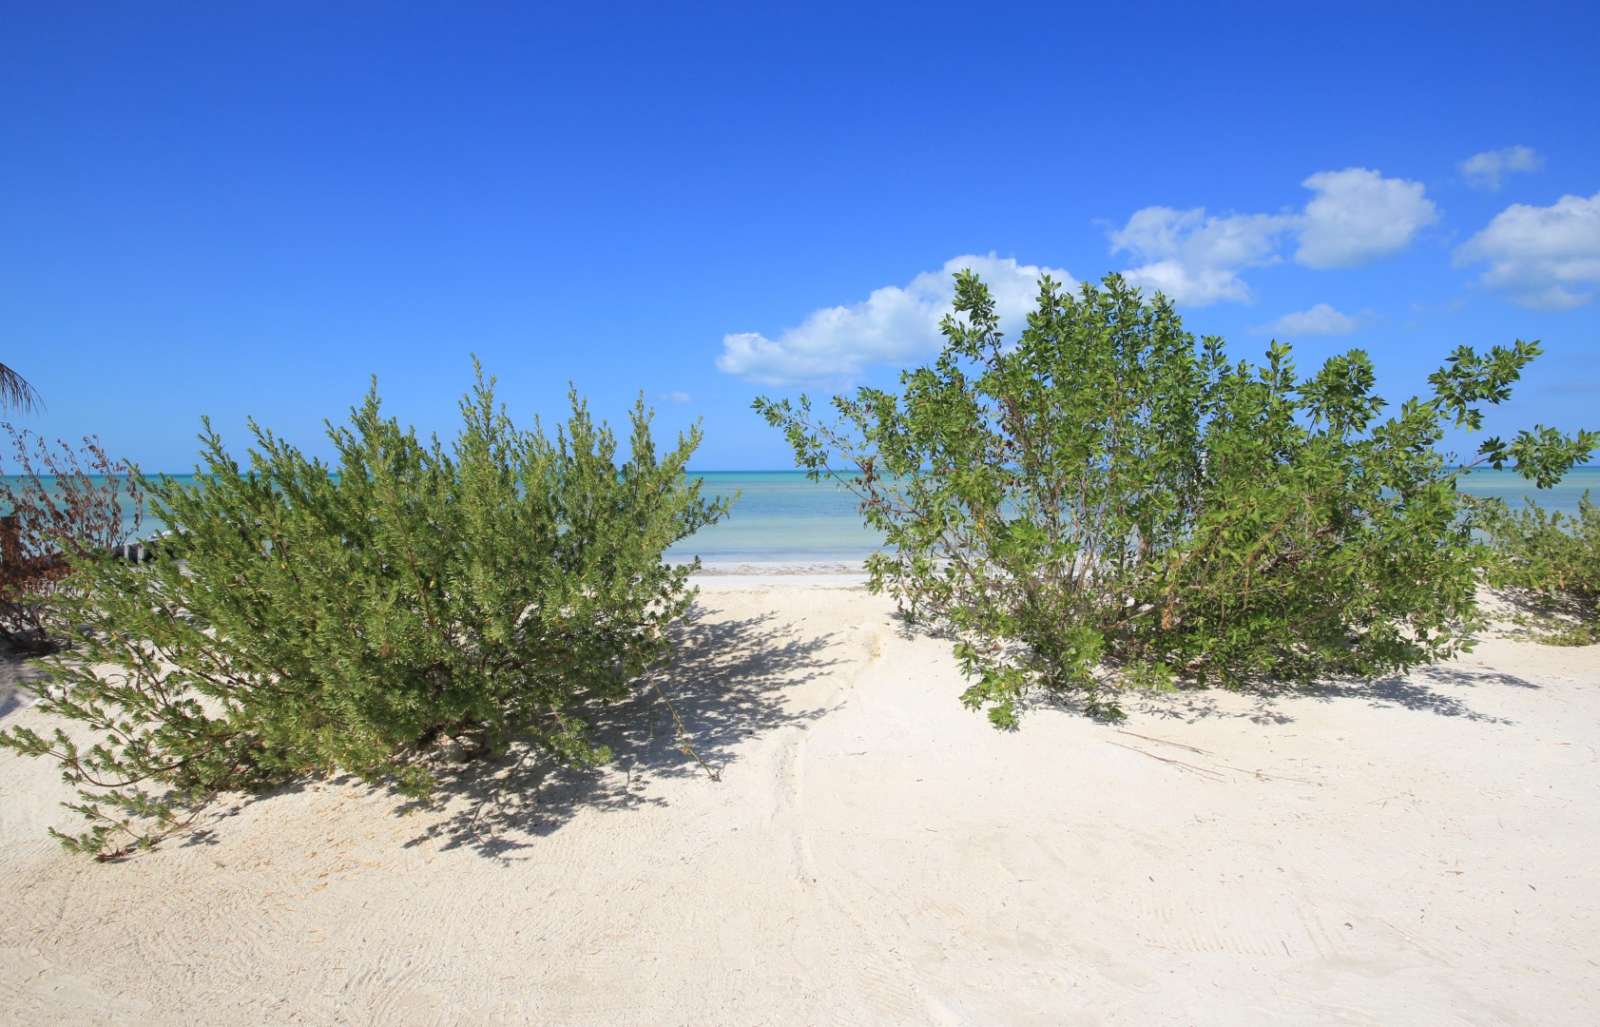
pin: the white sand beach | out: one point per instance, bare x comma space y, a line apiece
1413, 851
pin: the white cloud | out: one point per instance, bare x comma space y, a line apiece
1358, 215
677, 396
894, 323
1193, 258
1487, 170
1543, 257
1319, 320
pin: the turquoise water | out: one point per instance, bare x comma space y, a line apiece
781, 517
1509, 486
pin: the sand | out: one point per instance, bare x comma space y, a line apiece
1416, 851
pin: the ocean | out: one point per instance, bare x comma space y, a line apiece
781, 517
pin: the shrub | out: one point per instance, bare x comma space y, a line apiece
304, 619
60, 503
1549, 563
1107, 502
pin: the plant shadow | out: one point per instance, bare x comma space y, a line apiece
726, 681
1430, 689
1530, 616
1434, 689
18, 672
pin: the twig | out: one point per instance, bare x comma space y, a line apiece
683, 732
1203, 771
1163, 741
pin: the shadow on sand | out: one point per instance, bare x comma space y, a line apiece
17, 673
726, 681
1434, 689
1431, 689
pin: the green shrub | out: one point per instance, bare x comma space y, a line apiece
1107, 502
1548, 563
306, 619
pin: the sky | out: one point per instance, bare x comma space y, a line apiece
248, 210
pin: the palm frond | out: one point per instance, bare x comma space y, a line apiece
16, 393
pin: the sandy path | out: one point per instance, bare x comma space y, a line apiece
1417, 852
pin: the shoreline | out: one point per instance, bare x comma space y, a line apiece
730, 575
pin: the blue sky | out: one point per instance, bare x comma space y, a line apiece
249, 211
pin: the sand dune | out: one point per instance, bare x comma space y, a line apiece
1417, 851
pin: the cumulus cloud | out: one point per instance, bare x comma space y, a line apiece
892, 324
1319, 320
1357, 215
1487, 170
1193, 258
1542, 257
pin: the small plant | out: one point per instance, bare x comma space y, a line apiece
1548, 564
304, 619
1106, 502
62, 504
